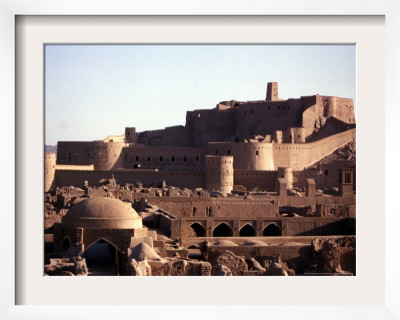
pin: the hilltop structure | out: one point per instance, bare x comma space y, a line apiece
260, 139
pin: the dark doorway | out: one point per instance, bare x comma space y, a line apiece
272, 230
66, 243
103, 259
198, 229
247, 231
223, 230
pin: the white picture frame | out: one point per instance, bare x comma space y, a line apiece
8, 12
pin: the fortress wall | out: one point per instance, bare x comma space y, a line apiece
300, 156
178, 179
74, 167
210, 125
263, 117
309, 117
345, 110
164, 158
103, 155
251, 179
220, 208
176, 136
247, 156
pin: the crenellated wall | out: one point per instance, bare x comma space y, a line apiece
103, 155
300, 156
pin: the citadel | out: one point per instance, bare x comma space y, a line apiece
262, 187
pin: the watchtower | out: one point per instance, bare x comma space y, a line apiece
219, 173
272, 91
49, 170
130, 135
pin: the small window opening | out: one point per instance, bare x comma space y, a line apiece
326, 172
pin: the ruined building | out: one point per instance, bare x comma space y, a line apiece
244, 170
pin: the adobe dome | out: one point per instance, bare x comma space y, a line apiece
102, 213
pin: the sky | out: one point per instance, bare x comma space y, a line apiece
92, 91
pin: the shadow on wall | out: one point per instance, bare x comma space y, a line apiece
338, 228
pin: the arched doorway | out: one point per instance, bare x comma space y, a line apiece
272, 230
247, 231
223, 230
66, 243
198, 229
103, 259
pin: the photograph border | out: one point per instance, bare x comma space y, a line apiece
9, 10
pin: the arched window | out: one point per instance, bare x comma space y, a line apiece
223, 230
198, 229
272, 230
247, 231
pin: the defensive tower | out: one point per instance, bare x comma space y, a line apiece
272, 91
219, 173
130, 134
287, 174
49, 170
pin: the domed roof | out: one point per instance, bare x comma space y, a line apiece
102, 213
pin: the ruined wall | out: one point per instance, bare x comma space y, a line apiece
307, 226
251, 179
325, 175
322, 107
147, 177
340, 108
231, 208
176, 136
164, 158
247, 156
263, 117
204, 126
300, 156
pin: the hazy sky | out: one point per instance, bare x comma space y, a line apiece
93, 91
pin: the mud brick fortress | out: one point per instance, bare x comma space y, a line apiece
243, 169
237, 143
